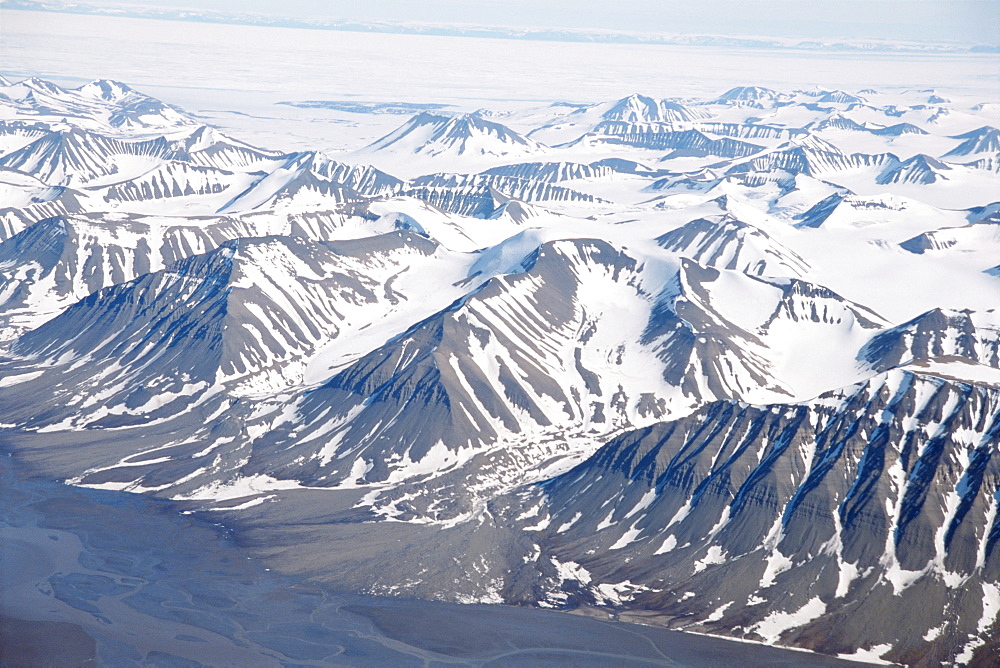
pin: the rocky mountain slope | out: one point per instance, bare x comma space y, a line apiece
729, 365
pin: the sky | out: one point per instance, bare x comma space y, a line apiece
962, 21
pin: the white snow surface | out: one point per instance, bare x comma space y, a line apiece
776, 623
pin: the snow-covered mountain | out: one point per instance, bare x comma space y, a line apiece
730, 364
984, 140
968, 336
435, 135
75, 157
921, 169
751, 96
101, 105
481, 195
641, 109
728, 243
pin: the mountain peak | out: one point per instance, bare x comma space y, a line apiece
748, 96
840, 97
106, 89
921, 168
641, 109
982, 140
433, 134
36, 84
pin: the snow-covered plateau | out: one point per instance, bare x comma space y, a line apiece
724, 362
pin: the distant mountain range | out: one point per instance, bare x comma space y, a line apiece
728, 365
497, 32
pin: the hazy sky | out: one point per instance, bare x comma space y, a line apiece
966, 21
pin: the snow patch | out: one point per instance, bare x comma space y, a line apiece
776, 623
716, 555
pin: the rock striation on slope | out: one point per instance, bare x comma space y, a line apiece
869, 514
729, 365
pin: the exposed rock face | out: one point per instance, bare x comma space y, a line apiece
434, 134
921, 169
553, 172
750, 96
984, 140
664, 136
666, 363
50, 265
481, 195
729, 243
937, 334
75, 157
641, 109
807, 523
